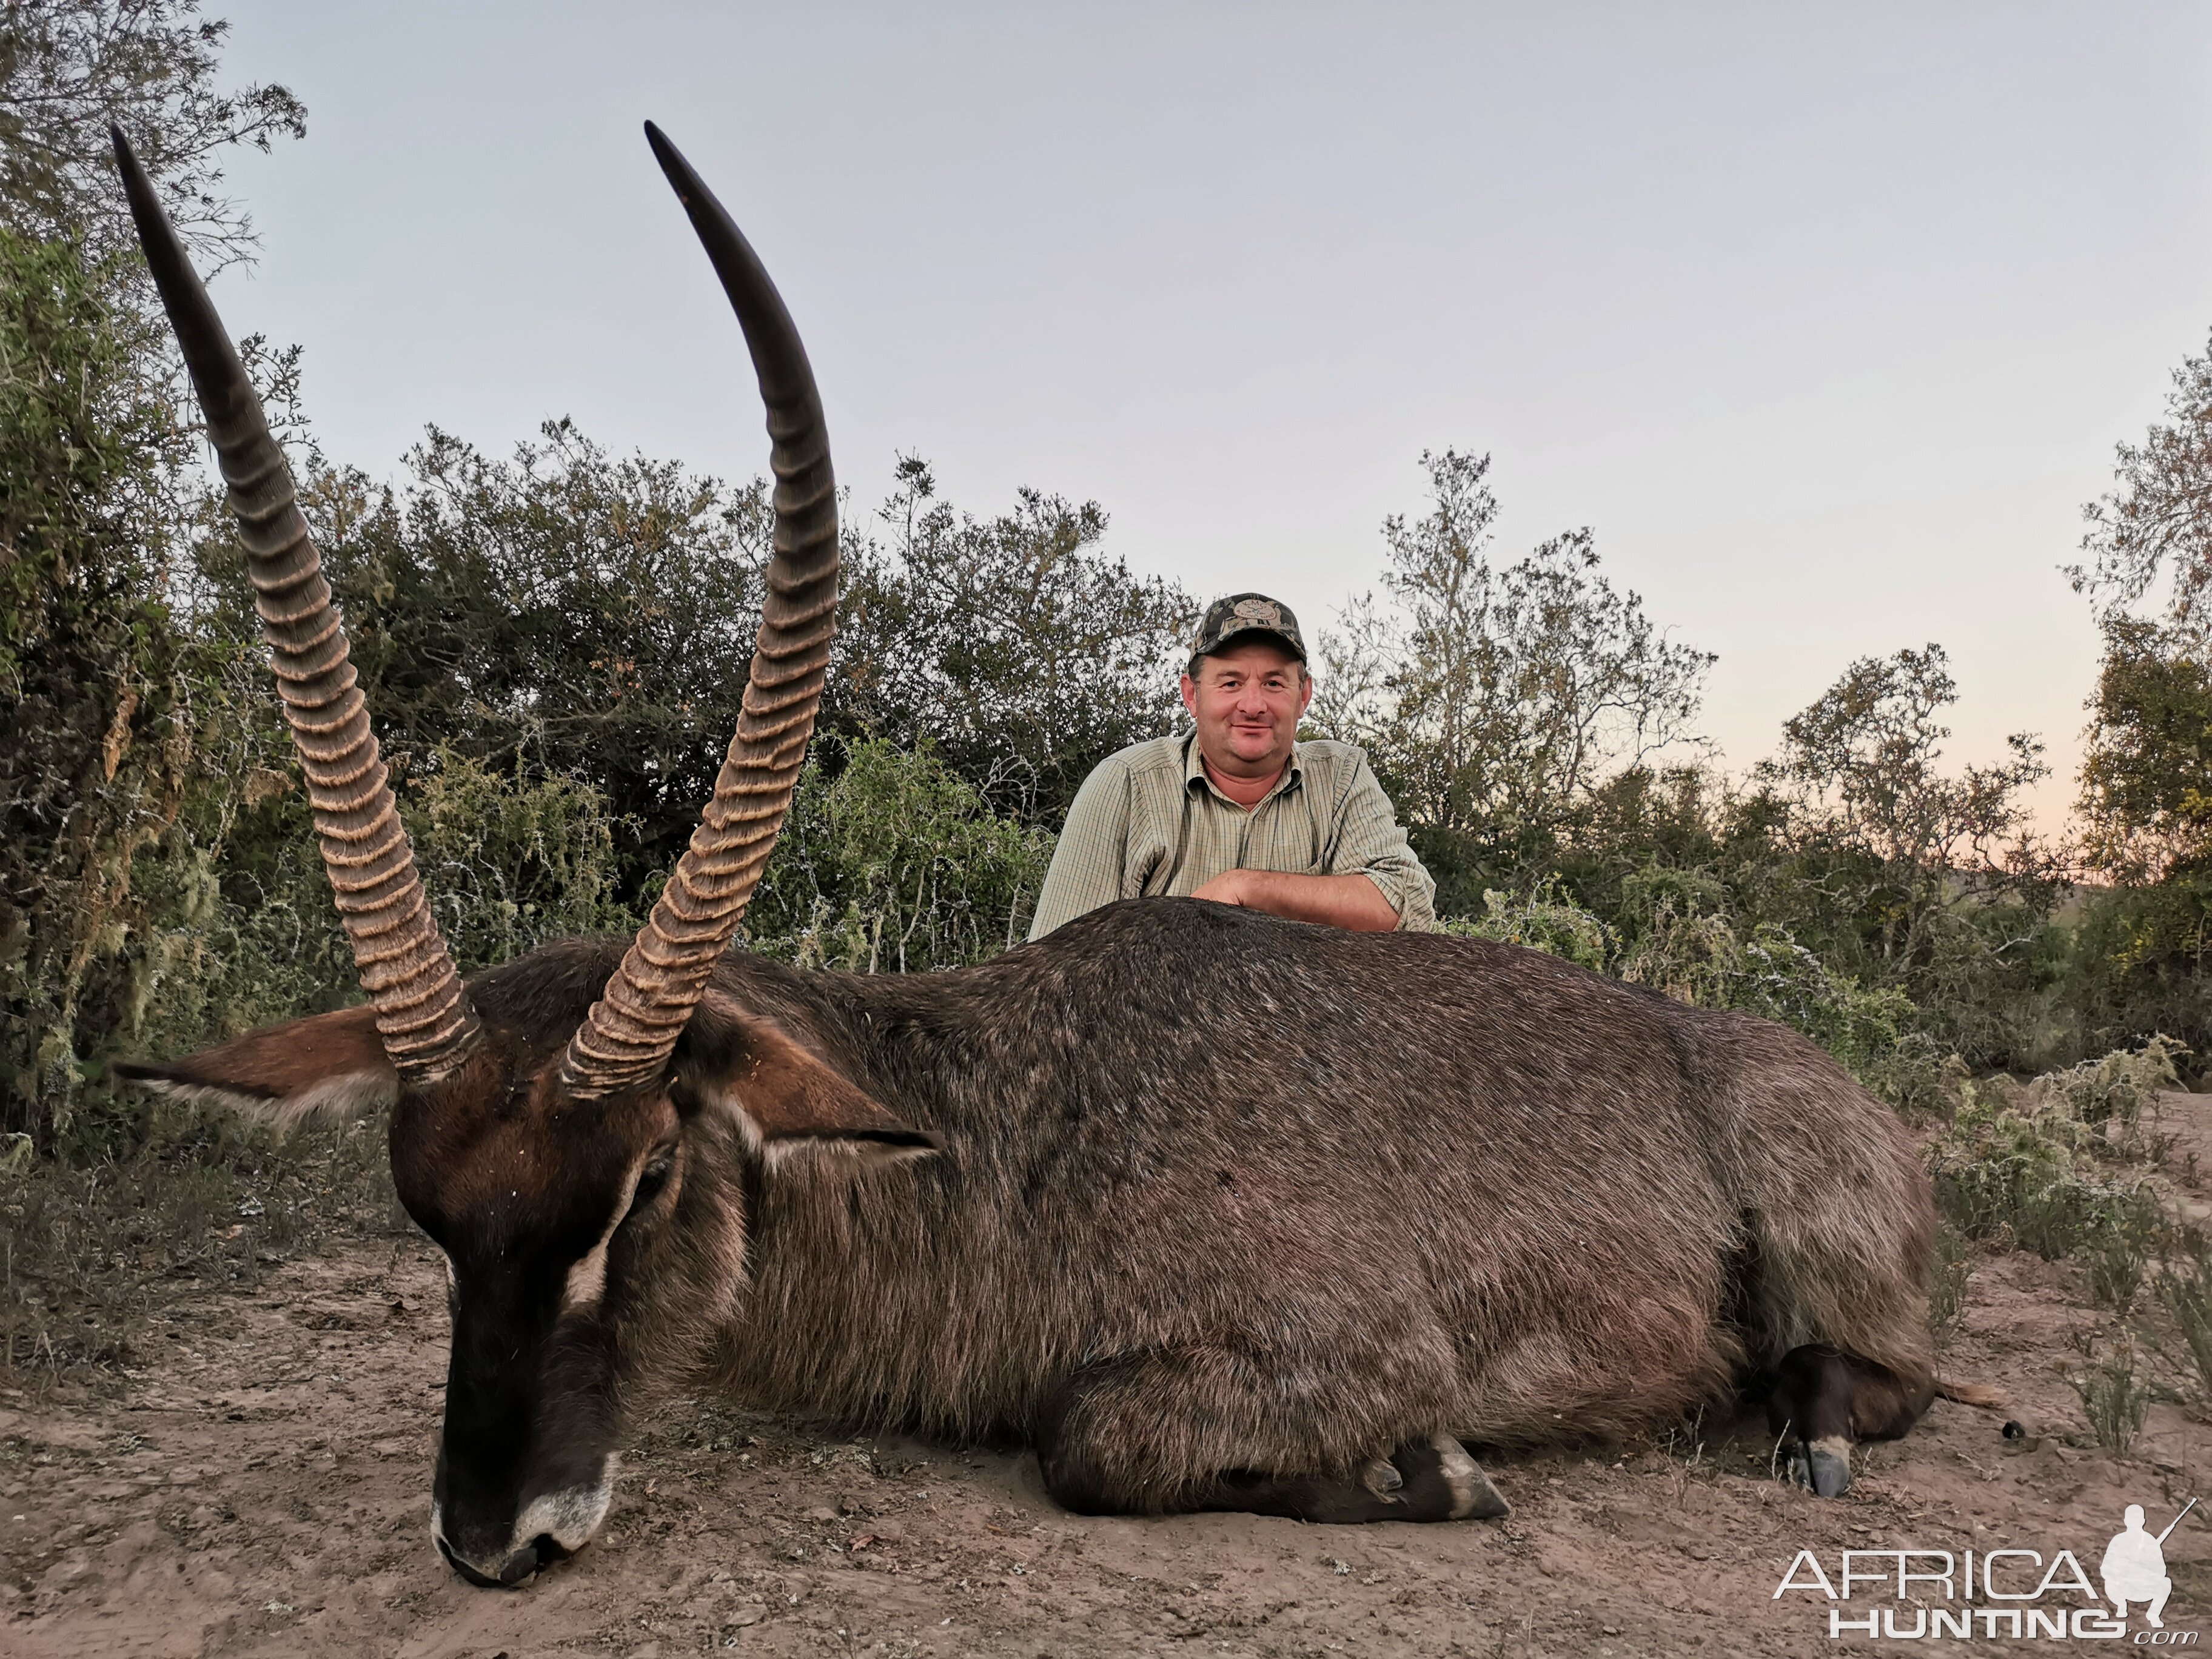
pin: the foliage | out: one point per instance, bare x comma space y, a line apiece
1859, 769
513, 861
2155, 523
2116, 1095
1673, 933
2139, 953
94, 752
568, 614
1544, 920
1499, 701
892, 861
2183, 1284
2002, 1172
2117, 1248
1951, 1274
561, 614
69, 68
2139, 958
1020, 652
2114, 1398
1899, 871
2060, 1167
2147, 778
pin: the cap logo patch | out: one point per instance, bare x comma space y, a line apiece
1261, 613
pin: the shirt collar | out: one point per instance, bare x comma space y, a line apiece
1193, 772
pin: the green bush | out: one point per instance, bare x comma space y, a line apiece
95, 733
2184, 1283
1682, 937
2114, 1398
890, 862
1544, 920
2060, 1166
1952, 1271
245, 931
510, 861
2117, 1095
2119, 1241
2139, 955
2009, 1165
1674, 935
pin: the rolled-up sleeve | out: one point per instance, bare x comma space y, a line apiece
1092, 851
1368, 840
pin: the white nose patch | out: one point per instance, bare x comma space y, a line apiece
567, 1517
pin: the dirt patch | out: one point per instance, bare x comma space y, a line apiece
257, 1481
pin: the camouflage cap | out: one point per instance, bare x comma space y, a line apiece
1246, 613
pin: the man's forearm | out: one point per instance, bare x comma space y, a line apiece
1349, 900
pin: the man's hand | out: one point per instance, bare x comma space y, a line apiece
1347, 901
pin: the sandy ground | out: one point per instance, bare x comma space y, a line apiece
259, 1484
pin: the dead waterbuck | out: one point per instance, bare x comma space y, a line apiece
1215, 1210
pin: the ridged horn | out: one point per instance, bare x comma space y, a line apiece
423, 1011
634, 1027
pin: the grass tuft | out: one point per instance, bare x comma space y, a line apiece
2113, 1397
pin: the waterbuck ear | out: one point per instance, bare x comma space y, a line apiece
783, 1095
327, 1064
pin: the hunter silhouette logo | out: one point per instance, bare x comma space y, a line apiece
2134, 1567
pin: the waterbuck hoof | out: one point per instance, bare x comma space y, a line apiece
1822, 1468
1442, 1479
1380, 1476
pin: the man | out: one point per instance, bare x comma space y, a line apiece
1237, 811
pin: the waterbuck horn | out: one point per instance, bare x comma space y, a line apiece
634, 1027
422, 1012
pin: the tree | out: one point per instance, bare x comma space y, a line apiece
2156, 522
2147, 778
91, 750
2146, 807
102, 725
1893, 869
561, 614
1861, 769
1020, 652
1500, 703
2143, 942
68, 68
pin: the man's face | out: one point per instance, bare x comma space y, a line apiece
1247, 701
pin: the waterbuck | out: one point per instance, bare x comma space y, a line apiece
1214, 1210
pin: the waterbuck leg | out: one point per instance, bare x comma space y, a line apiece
1168, 1433
1825, 1401
1431, 1479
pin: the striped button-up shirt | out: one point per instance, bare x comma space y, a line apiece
1148, 822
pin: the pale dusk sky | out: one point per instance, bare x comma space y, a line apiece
1826, 318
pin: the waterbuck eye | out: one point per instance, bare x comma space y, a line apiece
651, 1180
